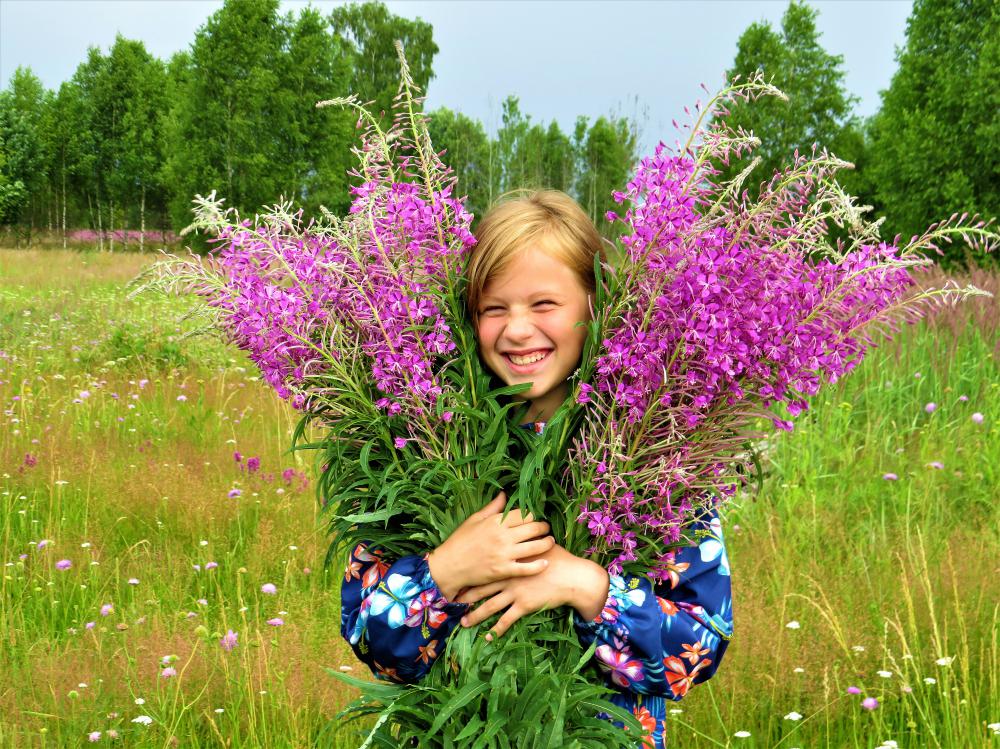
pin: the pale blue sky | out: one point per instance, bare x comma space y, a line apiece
561, 58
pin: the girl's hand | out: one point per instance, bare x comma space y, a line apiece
568, 580
487, 547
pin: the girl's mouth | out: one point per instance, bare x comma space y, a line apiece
527, 363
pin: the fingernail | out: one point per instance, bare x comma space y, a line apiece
465, 622
489, 638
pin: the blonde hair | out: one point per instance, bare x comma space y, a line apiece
549, 219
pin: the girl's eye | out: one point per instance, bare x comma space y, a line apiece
488, 310
544, 302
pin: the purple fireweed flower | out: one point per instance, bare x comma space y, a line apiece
30, 461
930, 408
268, 588
287, 475
63, 564
237, 456
229, 641
977, 418
400, 443
869, 703
253, 464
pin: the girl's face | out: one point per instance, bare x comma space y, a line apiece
528, 327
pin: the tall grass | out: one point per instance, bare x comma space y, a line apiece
118, 451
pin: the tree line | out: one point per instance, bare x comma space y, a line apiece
130, 139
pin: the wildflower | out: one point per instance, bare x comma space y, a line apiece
42, 544
995, 727
858, 648
907, 688
197, 567
234, 493
211, 565
253, 464
90, 625
742, 734
793, 716
853, 690
112, 733
203, 602
63, 564
276, 621
84, 394
798, 670
220, 710
143, 719
306, 570
168, 672
884, 674
977, 418
946, 661
203, 542
143, 383
140, 701
793, 625
30, 461
936, 464
268, 588
930, 680
930, 408
869, 703
106, 609
963, 398
94, 736
400, 443
229, 641
133, 581
890, 477
237, 456
182, 398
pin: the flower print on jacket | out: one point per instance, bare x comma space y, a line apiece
712, 547
394, 596
622, 667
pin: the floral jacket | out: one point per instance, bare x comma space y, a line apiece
654, 642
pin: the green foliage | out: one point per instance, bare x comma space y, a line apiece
935, 143
369, 32
23, 159
818, 109
470, 154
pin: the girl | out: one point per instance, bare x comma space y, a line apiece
531, 277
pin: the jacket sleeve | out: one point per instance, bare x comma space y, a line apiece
393, 615
662, 640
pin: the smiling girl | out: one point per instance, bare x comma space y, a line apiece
530, 285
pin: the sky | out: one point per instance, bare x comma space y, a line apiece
562, 58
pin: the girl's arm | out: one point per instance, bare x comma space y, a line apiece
393, 615
663, 640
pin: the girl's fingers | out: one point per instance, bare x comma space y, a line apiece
529, 530
504, 623
493, 507
485, 611
534, 548
526, 569
478, 593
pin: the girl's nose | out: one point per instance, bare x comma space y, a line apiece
519, 327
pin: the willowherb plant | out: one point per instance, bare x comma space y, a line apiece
719, 309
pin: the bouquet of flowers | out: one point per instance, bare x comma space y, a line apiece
714, 310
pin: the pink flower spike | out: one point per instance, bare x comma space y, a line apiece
400, 443
853, 690
869, 703
276, 621
890, 477
930, 408
63, 564
268, 588
229, 641
977, 418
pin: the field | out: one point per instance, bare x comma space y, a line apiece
150, 503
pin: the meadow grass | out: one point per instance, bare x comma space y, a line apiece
117, 454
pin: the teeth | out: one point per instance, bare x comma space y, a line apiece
530, 359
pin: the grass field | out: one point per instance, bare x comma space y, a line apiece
134, 540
